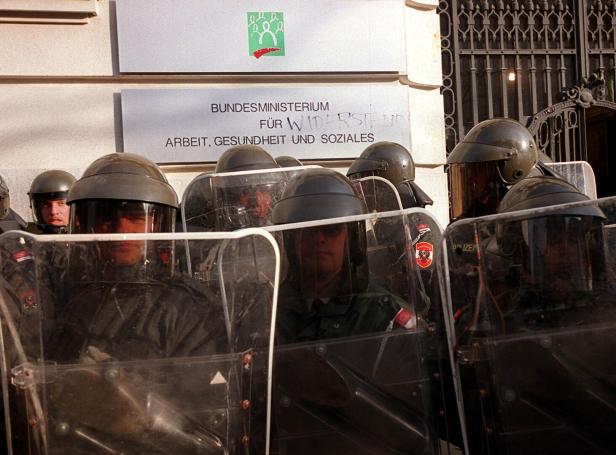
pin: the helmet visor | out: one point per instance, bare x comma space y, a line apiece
366, 167
475, 189
112, 216
560, 252
125, 259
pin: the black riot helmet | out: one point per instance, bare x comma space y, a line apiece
544, 191
288, 161
559, 244
121, 182
47, 189
317, 194
124, 193
5, 200
494, 154
392, 162
245, 158
322, 194
384, 159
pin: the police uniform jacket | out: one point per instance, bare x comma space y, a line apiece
298, 319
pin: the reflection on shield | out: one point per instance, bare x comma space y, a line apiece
225, 202
234, 200
379, 194
128, 362
531, 326
579, 174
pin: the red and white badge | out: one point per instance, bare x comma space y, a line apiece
405, 319
424, 253
22, 255
423, 228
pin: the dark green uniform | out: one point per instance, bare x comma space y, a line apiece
374, 310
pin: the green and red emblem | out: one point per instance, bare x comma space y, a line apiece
265, 34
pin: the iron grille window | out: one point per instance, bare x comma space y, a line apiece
509, 58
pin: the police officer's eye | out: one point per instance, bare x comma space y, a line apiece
133, 217
332, 230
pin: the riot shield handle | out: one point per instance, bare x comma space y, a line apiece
26, 375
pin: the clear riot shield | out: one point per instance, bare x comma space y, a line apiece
233, 200
107, 348
379, 194
356, 369
531, 322
579, 174
226, 202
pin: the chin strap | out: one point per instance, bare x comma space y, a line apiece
49, 229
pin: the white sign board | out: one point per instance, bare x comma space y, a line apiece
198, 125
221, 36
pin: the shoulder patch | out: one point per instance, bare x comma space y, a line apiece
424, 254
405, 319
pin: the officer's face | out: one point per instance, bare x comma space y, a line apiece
55, 212
128, 252
563, 264
258, 202
321, 251
560, 254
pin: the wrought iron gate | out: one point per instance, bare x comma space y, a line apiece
534, 60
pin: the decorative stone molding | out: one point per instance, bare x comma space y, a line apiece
588, 92
48, 11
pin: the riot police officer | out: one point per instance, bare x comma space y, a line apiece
566, 244
534, 327
327, 292
129, 282
393, 162
9, 219
242, 201
47, 195
332, 319
125, 328
493, 155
